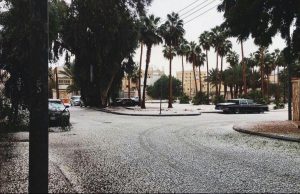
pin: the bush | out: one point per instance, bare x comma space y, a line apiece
279, 105
257, 97
184, 99
218, 99
200, 98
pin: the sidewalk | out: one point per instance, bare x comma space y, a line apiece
282, 130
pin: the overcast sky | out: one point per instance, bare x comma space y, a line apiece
210, 19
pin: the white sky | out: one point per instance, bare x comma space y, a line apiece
160, 8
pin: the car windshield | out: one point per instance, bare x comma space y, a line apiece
56, 105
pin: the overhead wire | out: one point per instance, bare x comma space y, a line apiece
193, 8
200, 14
198, 10
188, 6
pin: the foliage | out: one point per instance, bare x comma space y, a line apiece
161, 87
218, 99
257, 96
184, 99
101, 35
200, 98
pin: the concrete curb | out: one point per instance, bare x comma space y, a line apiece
273, 136
148, 115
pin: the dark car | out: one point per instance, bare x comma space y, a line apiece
241, 106
75, 101
124, 102
58, 113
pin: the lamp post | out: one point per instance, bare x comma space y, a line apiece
160, 96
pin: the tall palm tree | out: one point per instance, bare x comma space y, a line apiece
200, 59
205, 42
181, 51
218, 36
193, 51
172, 31
223, 49
212, 78
150, 31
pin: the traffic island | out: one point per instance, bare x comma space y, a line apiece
149, 112
282, 130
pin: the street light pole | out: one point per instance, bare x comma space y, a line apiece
38, 134
160, 96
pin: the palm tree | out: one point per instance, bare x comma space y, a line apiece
193, 51
232, 58
223, 49
151, 37
212, 78
218, 36
205, 42
200, 59
172, 31
181, 51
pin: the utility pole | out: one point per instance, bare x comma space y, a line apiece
289, 64
38, 134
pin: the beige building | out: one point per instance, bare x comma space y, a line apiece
153, 76
189, 82
63, 83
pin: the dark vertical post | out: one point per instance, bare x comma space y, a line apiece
289, 64
38, 135
161, 81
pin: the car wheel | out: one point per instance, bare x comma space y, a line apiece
261, 110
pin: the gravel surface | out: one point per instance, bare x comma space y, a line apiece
112, 153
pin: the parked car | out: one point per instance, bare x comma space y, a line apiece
75, 101
241, 106
58, 112
124, 102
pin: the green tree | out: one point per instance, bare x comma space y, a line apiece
182, 51
99, 53
205, 42
172, 32
150, 31
193, 51
161, 87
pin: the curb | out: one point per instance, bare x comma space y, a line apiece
278, 137
148, 115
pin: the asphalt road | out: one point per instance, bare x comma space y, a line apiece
112, 153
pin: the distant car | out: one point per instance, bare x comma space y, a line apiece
136, 99
75, 101
241, 106
124, 102
58, 112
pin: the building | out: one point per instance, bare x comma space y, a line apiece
63, 82
189, 87
153, 76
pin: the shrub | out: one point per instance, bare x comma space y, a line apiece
279, 105
218, 99
257, 97
184, 99
200, 98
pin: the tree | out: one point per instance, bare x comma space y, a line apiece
99, 53
150, 31
218, 36
193, 51
205, 42
263, 19
172, 32
160, 88
200, 59
223, 49
182, 51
